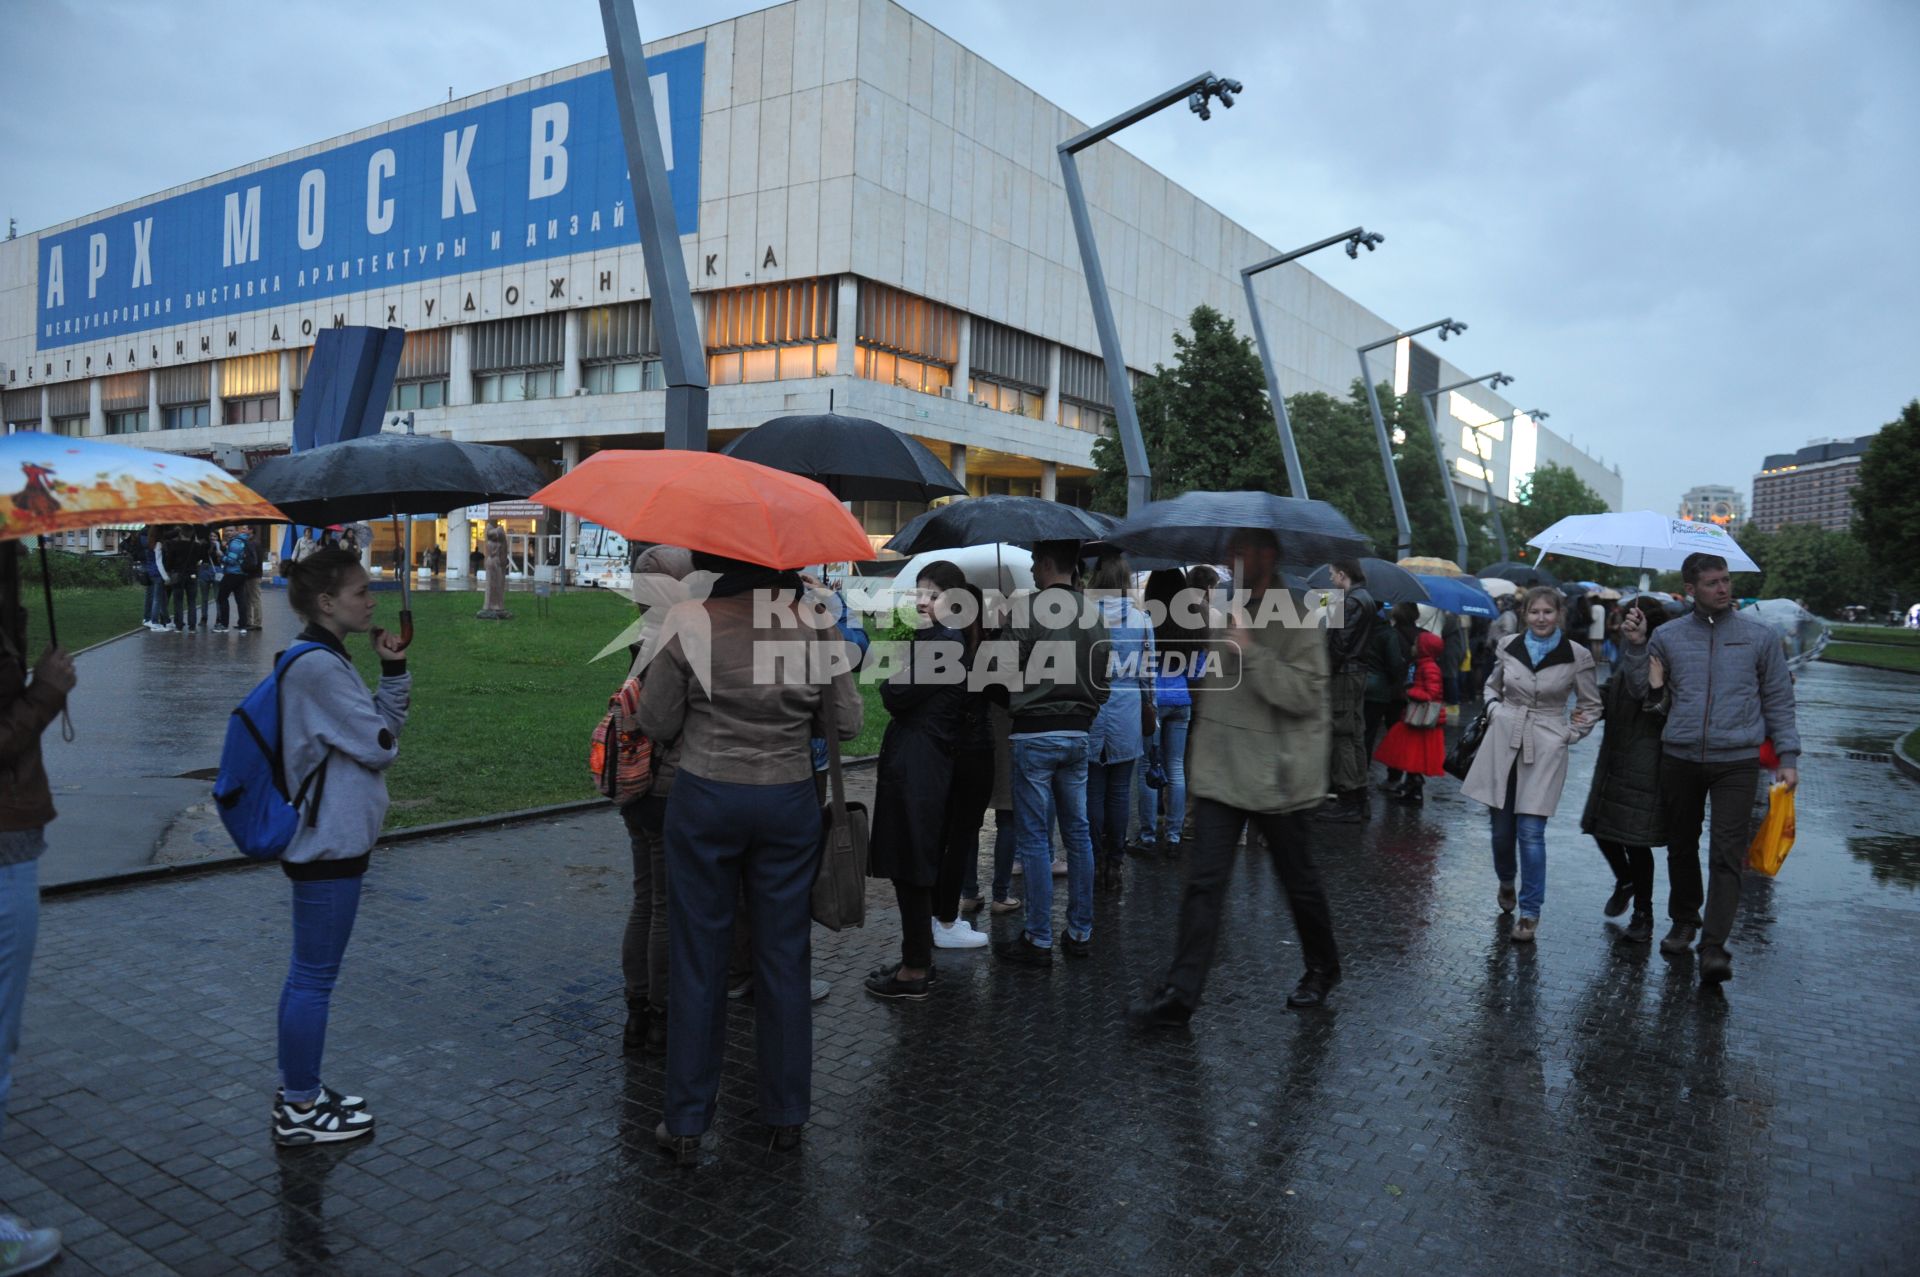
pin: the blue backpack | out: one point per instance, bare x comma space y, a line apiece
256, 805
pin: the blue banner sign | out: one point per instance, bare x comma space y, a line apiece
534, 175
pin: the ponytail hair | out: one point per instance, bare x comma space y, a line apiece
322, 572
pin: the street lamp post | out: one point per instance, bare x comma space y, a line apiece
1197, 93
1429, 404
1486, 471
1402, 532
681, 357
1354, 239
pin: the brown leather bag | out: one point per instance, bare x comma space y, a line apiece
840, 880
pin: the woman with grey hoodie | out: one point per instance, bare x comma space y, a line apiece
342, 738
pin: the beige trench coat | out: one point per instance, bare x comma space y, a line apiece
1529, 728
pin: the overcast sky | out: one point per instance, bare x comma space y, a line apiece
1688, 228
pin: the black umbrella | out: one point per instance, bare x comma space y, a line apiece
1197, 527
1525, 575
990, 520
1387, 582
856, 459
385, 476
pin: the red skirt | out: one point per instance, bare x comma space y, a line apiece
1422, 751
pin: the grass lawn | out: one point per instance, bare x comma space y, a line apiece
84, 617
1876, 634
503, 711
1906, 660
1912, 743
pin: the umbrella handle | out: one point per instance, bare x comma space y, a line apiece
406, 627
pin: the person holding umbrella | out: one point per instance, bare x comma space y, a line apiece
1348, 645
1260, 754
1625, 814
27, 707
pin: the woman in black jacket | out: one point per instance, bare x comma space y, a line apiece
928, 707
1624, 811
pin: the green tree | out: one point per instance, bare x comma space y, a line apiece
1549, 494
1341, 461
1204, 421
1823, 570
1886, 509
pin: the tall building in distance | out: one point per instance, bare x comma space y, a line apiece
1814, 485
1714, 503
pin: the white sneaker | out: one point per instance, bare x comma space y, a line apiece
24, 1249
326, 1122
957, 935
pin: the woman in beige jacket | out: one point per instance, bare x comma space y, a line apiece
1522, 763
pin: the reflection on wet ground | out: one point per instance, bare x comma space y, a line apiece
1466, 1105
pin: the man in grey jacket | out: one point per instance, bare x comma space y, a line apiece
1730, 693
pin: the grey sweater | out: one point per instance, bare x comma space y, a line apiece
1730, 686
327, 715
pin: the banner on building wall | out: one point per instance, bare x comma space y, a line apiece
534, 175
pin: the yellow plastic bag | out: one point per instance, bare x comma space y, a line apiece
1770, 845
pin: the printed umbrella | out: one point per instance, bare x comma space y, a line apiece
1460, 595
1387, 582
856, 459
60, 484
712, 503
1426, 565
387, 475
1640, 539
1197, 527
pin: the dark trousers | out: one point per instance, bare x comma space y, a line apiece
719, 836
967, 798
1217, 829
916, 924
232, 586
1381, 715
1688, 786
1002, 861
1109, 788
186, 603
643, 949
1633, 866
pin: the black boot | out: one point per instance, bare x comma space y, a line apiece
1161, 1010
634, 1037
1313, 989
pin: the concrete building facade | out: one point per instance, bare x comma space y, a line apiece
1814, 485
1714, 503
872, 217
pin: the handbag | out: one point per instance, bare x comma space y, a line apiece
1774, 839
839, 897
1422, 714
1156, 773
1459, 760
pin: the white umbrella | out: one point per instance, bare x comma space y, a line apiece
1498, 585
1640, 539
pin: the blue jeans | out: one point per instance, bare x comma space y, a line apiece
1530, 834
323, 913
19, 928
1172, 738
1108, 785
156, 608
721, 836
1049, 781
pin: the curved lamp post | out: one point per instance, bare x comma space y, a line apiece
1402, 531
1429, 404
1197, 93
1356, 239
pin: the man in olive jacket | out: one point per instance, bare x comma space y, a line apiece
1731, 692
26, 806
1257, 752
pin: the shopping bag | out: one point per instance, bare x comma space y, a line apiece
1770, 845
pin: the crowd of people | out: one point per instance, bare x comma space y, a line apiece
1200, 716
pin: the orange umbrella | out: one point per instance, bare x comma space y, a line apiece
710, 502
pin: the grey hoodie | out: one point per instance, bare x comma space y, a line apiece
327, 715
1731, 688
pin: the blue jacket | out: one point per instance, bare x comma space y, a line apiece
851, 630
1116, 736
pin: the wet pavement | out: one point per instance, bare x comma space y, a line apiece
1466, 1105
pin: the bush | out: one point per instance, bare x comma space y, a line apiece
71, 571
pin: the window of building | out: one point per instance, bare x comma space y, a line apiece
123, 397
417, 394
771, 332
620, 350
132, 422
420, 380
884, 518
234, 412
1085, 400
983, 485
516, 359
1028, 403
22, 408
1009, 369
186, 416
71, 426
905, 340
184, 397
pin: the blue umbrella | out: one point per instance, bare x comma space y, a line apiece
1458, 595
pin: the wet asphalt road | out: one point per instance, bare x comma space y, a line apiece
1465, 1106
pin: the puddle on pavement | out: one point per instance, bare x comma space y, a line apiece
1871, 743
1894, 860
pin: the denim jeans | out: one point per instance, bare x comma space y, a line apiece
156, 609
1530, 835
19, 928
323, 913
1049, 781
1108, 787
643, 947
1172, 738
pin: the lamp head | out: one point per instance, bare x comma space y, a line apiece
1451, 326
1215, 87
1498, 380
1538, 416
1368, 240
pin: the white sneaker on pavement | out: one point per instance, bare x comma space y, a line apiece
24, 1249
957, 934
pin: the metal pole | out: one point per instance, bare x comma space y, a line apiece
1429, 404
1296, 476
1401, 531
1119, 386
681, 356
1493, 500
